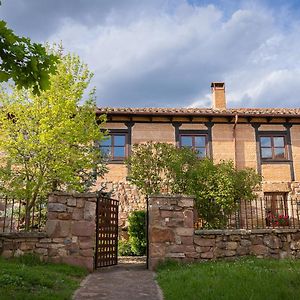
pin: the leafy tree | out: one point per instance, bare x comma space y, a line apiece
218, 188
47, 140
27, 63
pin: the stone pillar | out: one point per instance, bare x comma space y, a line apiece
71, 228
171, 229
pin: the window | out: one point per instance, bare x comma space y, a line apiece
115, 146
273, 147
196, 142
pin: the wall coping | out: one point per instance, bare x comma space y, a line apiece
179, 196
17, 235
75, 195
244, 231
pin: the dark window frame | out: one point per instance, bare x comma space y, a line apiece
194, 134
273, 147
117, 132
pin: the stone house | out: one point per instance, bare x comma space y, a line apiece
266, 139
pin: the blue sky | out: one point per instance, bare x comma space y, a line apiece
165, 53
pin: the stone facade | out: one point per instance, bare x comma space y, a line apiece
70, 232
172, 235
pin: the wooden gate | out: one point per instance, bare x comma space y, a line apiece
106, 232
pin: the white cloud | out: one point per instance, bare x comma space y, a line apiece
166, 53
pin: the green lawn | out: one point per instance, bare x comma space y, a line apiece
27, 278
244, 279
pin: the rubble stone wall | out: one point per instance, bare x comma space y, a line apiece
172, 235
70, 234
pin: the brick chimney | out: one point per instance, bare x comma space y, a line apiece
218, 95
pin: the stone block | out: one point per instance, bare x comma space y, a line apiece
256, 240
242, 250
230, 253
83, 228
194, 255
186, 203
245, 243
204, 242
157, 250
175, 255
235, 238
272, 241
187, 240
56, 207
64, 216
77, 214
207, 255
80, 202
89, 211
161, 235
41, 251
295, 245
231, 245
87, 252
62, 252
58, 228
259, 250
71, 201
203, 249
185, 231
181, 248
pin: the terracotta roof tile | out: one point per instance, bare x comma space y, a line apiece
291, 112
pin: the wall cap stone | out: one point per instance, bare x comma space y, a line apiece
179, 196
244, 231
17, 235
76, 195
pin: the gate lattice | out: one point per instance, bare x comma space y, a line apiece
106, 232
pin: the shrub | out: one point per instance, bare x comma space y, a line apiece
124, 248
159, 168
137, 232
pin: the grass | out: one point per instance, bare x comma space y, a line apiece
28, 278
250, 278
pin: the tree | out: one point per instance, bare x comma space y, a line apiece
218, 188
48, 140
28, 64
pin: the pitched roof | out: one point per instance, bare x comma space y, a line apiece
268, 112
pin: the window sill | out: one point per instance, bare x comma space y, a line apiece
275, 161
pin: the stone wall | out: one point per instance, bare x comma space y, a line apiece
16, 244
172, 235
70, 235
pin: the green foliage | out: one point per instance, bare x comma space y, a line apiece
159, 167
28, 64
124, 248
218, 188
137, 232
49, 139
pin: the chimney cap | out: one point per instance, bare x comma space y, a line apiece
219, 84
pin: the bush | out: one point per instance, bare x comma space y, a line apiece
124, 248
137, 232
159, 168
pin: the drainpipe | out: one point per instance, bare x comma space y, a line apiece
237, 214
234, 138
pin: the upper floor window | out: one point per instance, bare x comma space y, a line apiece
273, 147
115, 146
197, 142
